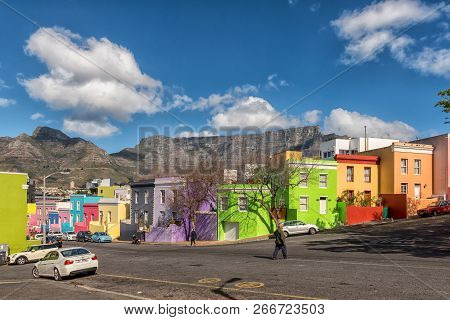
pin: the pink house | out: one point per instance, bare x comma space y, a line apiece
90, 211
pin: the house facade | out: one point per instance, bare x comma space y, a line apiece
76, 206
441, 164
357, 174
240, 216
63, 208
164, 192
111, 212
313, 197
90, 213
13, 211
142, 199
406, 168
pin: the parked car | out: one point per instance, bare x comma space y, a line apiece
438, 207
33, 253
298, 227
101, 237
38, 236
56, 234
54, 239
66, 262
69, 236
83, 236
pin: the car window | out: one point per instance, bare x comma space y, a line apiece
74, 252
53, 255
47, 256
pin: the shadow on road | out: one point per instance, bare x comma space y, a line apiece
263, 257
424, 239
220, 291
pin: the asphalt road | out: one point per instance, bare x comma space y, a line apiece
402, 260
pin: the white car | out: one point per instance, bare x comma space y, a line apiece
69, 236
33, 253
298, 227
56, 234
38, 236
66, 262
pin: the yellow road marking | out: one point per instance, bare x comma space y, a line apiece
273, 294
210, 280
11, 282
249, 285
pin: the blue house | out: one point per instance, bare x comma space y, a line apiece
76, 206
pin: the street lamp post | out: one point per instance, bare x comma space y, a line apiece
44, 213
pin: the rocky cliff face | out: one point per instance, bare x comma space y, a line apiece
48, 150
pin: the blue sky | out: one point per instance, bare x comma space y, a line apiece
102, 69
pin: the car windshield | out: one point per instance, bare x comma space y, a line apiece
434, 204
102, 234
88, 233
74, 252
30, 249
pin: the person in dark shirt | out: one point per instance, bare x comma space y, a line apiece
280, 242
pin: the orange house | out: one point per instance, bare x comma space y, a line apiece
357, 173
406, 168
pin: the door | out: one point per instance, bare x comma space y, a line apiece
301, 227
36, 253
48, 263
323, 205
417, 191
231, 230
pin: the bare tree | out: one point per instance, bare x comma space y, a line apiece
197, 192
268, 184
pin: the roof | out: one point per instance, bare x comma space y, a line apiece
143, 183
356, 158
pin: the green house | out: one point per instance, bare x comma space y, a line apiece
313, 198
240, 215
13, 210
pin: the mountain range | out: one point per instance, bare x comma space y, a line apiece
48, 150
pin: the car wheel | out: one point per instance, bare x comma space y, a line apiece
35, 272
286, 234
91, 273
21, 260
435, 213
56, 275
312, 231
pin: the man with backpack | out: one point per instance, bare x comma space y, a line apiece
280, 242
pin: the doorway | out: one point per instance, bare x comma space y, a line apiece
231, 230
323, 203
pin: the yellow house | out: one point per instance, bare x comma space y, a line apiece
110, 212
357, 174
31, 208
107, 192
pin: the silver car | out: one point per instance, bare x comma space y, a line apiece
299, 227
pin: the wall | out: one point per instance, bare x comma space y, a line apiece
359, 184
90, 214
140, 209
252, 223
386, 169
441, 164
169, 184
173, 233
313, 192
107, 191
127, 229
117, 212
13, 211
397, 205
357, 215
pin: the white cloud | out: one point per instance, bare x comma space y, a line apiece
292, 2
351, 123
6, 102
314, 7
430, 61
252, 112
369, 29
312, 117
76, 81
90, 128
273, 83
37, 116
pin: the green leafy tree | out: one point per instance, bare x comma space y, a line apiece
445, 102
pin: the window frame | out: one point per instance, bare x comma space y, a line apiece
404, 184
326, 180
300, 204
222, 201
404, 167
369, 180
239, 204
352, 173
419, 168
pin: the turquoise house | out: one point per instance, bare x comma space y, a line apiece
76, 207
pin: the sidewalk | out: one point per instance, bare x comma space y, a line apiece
200, 243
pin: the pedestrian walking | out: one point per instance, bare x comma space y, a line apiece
280, 242
193, 237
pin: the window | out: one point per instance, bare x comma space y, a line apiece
163, 196
404, 188
109, 217
303, 203
92, 217
367, 174
224, 203
351, 194
136, 197
417, 191
78, 205
71, 207
146, 216
404, 166
146, 197
243, 204
368, 195
323, 181
350, 174
303, 180
417, 166
136, 216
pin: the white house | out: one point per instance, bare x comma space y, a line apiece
329, 149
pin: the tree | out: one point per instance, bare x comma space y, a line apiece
445, 102
269, 184
198, 193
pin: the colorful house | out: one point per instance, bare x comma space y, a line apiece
63, 208
357, 174
90, 214
441, 164
313, 197
107, 191
76, 207
111, 212
13, 210
163, 195
406, 168
240, 216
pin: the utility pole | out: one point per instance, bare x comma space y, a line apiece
365, 138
